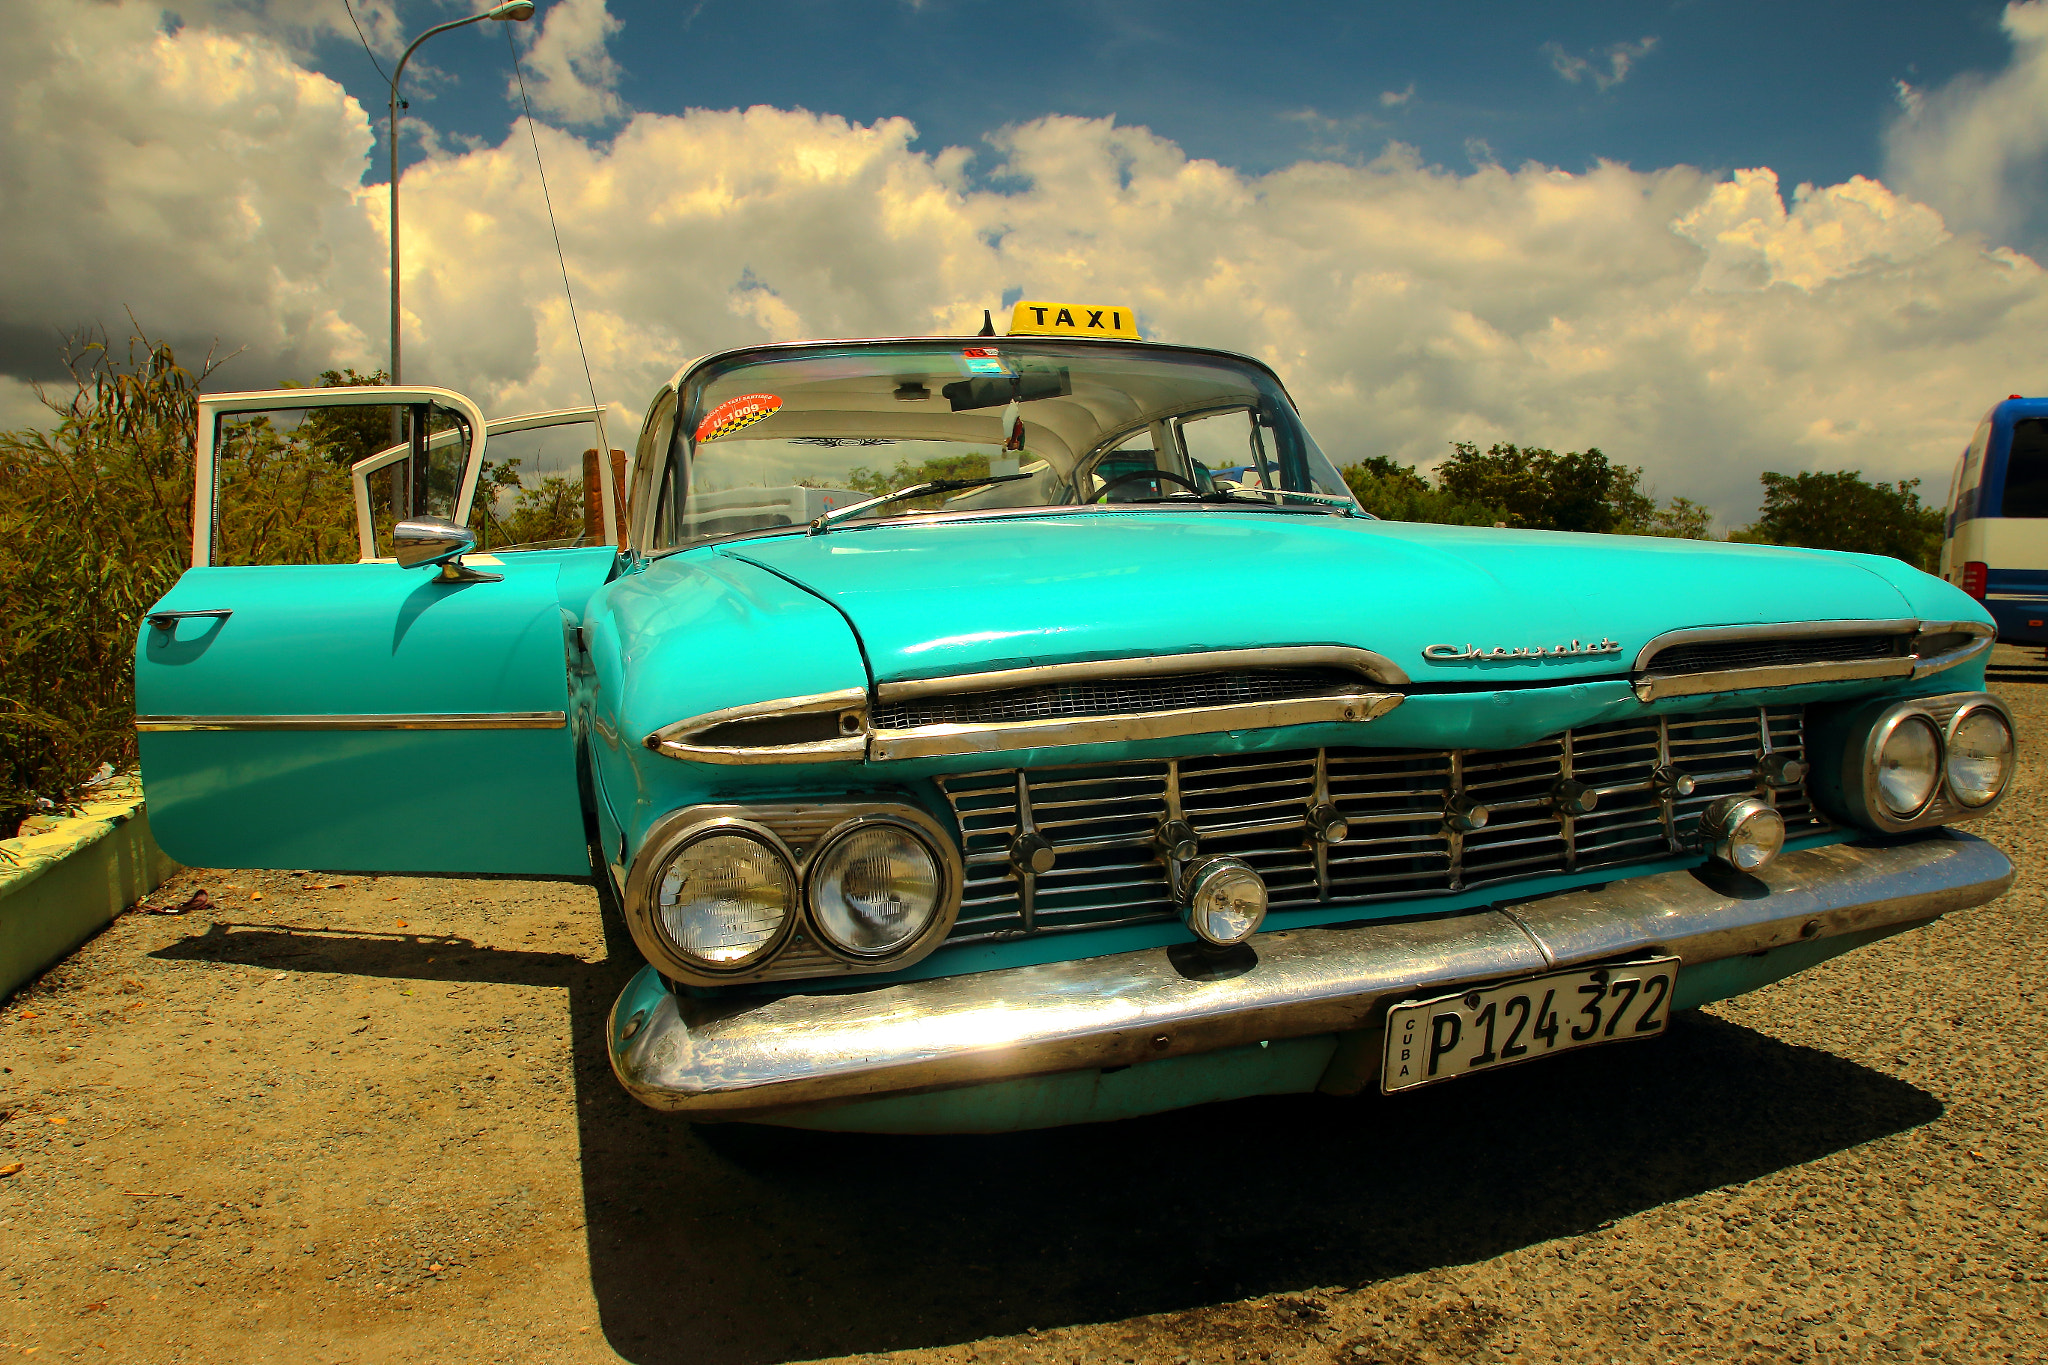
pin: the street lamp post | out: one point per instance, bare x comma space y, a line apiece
512, 9
515, 9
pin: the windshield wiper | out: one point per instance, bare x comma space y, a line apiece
917, 490
1262, 497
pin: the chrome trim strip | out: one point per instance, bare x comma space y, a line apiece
720, 1058
677, 740
932, 741
1374, 667
1983, 637
1783, 630
1781, 675
426, 720
1776, 675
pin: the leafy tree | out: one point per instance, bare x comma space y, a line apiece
1840, 511
552, 510
970, 465
1397, 492
965, 466
346, 435
1681, 519
1541, 489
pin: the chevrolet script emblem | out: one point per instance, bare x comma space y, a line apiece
1443, 654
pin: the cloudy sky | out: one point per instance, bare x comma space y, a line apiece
1710, 238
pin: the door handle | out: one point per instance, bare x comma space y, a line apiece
168, 620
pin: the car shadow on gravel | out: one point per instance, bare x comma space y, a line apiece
740, 1245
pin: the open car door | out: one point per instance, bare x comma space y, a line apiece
305, 702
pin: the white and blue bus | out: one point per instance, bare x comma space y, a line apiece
1995, 544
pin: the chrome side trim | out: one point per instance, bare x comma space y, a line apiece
682, 739
1783, 630
1364, 662
1982, 638
426, 720
931, 741
727, 1058
1785, 675
1777, 675
798, 832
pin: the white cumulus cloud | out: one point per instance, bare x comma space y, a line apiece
572, 74
1704, 327
1976, 148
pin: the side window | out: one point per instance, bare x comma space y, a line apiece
1967, 499
281, 489
2026, 470
650, 455
541, 486
1122, 468
1224, 446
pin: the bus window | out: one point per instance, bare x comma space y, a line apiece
2026, 470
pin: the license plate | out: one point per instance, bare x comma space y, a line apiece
1455, 1035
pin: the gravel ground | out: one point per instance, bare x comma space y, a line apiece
339, 1118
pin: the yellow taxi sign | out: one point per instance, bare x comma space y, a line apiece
1034, 318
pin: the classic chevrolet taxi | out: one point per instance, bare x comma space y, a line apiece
994, 732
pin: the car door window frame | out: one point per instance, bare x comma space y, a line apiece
360, 471
213, 407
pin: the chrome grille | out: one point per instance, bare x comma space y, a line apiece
1114, 697
1102, 818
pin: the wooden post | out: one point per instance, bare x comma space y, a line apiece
593, 497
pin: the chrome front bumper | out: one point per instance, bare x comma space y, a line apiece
747, 1057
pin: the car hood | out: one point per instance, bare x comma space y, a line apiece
941, 598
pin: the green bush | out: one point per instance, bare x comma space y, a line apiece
95, 525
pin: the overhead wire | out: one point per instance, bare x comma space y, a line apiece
604, 441
364, 39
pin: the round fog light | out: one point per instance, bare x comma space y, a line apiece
1743, 832
1225, 901
1909, 766
874, 889
1979, 757
724, 900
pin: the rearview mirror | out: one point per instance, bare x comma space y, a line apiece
425, 541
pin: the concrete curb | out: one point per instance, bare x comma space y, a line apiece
68, 880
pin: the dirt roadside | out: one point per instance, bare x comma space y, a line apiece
342, 1119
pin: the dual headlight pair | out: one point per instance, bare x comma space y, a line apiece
1927, 761
722, 894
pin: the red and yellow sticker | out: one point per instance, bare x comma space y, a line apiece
735, 413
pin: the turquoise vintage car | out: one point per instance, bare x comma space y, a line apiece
1110, 761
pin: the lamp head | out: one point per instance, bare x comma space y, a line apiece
511, 9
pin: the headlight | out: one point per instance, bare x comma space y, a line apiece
1743, 831
1908, 766
725, 898
1979, 756
1223, 900
1902, 765
874, 888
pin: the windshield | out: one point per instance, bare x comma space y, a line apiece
771, 439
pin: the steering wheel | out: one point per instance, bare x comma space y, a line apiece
1102, 494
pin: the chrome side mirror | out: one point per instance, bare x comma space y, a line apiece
422, 542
